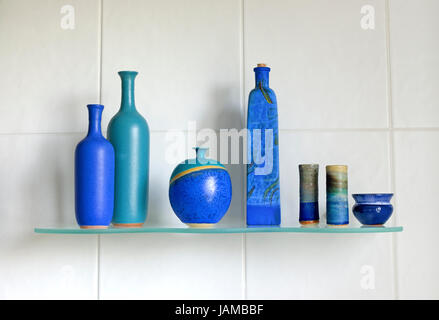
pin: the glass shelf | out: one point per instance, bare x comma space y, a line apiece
222, 229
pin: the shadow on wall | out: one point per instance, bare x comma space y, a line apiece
226, 109
227, 112
57, 155
43, 182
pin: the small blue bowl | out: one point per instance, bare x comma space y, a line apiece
372, 209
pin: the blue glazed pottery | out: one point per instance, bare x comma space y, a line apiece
94, 175
128, 131
309, 193
200, 191
263, 188
337, 206
372, 208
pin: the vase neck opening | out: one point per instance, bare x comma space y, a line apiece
127, 78
94, 119
201, 154
262, 77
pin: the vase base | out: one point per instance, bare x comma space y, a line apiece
374, 225
128, 225
309, 222
337, 225
93, 227
200, 225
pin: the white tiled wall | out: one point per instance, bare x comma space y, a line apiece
416, 185
188, 55
414, 45
48, 73
366, 98
327, 71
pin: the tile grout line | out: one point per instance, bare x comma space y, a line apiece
244, 176
101, 4
244, 266
98, 267
391, 143
100, 26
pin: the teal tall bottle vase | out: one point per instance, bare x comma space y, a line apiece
128, 131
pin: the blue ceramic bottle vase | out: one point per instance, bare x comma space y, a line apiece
128, 131
263, 192
94, 175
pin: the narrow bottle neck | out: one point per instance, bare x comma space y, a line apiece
201, 154
127, 102
94, 120
262, 77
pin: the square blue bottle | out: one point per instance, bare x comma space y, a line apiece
263, 192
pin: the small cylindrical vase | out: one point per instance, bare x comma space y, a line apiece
337, 207
309, 193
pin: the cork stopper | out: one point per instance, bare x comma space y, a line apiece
261, 65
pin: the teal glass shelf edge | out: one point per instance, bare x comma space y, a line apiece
216, 230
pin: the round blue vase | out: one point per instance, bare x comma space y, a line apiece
372, 208
200, 191
94, 175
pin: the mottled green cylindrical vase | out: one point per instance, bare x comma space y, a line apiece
337, 207
129, 134
309, 193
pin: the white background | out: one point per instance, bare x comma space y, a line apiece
365, 98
